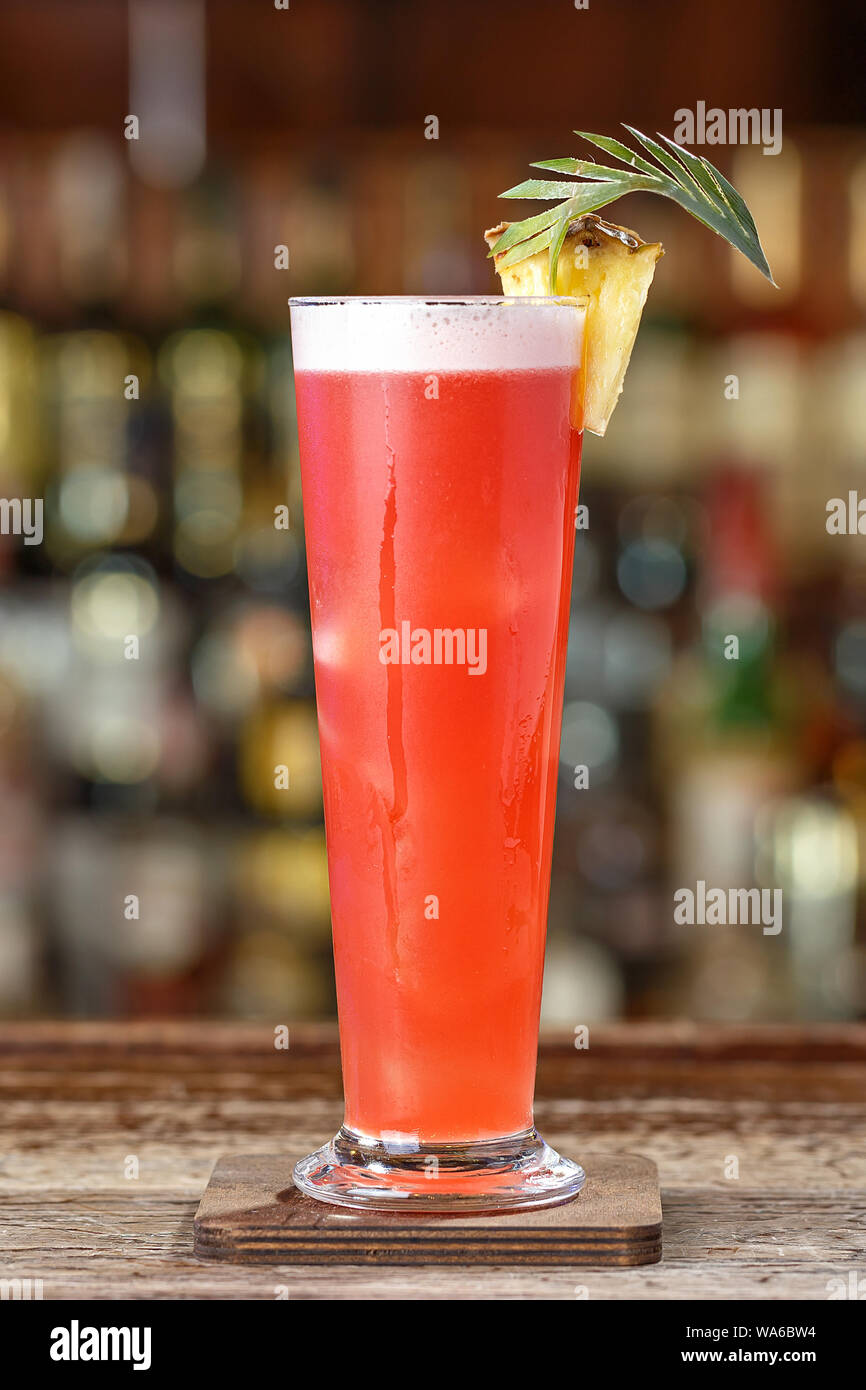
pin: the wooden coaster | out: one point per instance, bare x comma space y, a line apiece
251, 1213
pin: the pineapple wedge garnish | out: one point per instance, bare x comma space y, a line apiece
614, 268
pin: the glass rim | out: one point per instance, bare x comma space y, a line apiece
472, 301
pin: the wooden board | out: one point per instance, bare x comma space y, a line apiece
252, 1214
77, 1099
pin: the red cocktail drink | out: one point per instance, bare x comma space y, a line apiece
440, 452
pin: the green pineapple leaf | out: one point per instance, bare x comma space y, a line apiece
686, 178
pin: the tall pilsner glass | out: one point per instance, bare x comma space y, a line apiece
440, 453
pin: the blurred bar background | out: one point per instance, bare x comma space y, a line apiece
149, 864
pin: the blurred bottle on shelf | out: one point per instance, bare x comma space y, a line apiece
21, 464
95, 499
280, 962
22, 939
725, 748
279, 768
808, 846
89, 188
137, 907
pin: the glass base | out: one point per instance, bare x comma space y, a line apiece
518, 1171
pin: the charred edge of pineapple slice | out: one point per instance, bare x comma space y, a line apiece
590, 229
615, 275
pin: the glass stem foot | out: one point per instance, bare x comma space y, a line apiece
520, 1170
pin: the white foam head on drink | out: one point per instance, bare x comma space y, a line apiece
419, 335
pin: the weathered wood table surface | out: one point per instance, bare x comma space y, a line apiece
108, 1133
